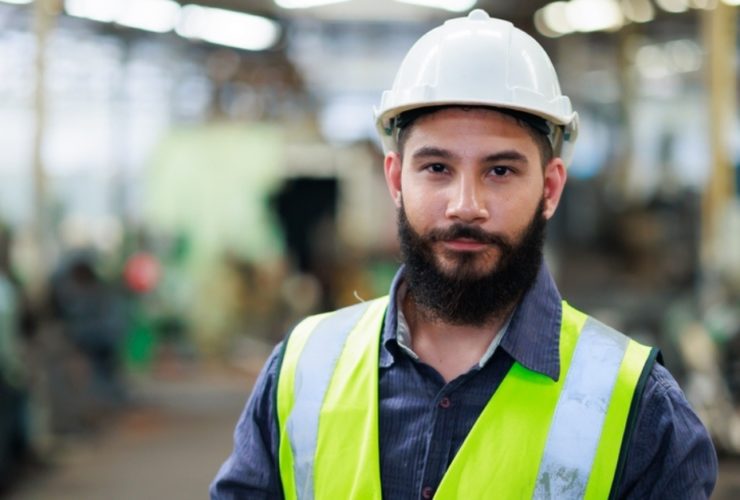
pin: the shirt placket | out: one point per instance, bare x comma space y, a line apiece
445, 412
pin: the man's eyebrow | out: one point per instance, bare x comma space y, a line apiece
435, 152
431, 151
508, 155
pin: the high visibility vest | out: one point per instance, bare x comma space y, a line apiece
535, 438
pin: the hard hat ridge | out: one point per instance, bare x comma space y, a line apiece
479, 61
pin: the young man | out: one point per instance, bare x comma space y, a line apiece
473, 379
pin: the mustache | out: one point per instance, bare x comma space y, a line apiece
475, 233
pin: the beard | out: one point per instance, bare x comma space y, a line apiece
463, 293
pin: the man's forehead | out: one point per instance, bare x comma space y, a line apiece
507, 131
499, 124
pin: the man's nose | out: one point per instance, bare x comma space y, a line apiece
467, 203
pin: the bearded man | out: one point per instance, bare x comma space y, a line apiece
473, 378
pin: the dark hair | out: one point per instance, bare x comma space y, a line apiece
537, 127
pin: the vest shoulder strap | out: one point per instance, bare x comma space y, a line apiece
562, 437
600, 388
321, 353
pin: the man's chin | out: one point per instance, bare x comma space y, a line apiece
464, 269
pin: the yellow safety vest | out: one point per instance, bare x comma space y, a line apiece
536, 437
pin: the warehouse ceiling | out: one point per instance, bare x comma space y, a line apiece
339, 57
353, 46
374, 10
347, 53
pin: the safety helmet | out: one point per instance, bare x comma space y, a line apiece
479, 61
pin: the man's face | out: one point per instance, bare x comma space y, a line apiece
474, 198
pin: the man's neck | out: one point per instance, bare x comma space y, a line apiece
449, 348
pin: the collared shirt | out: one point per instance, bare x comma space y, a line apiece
424, 420
403, 332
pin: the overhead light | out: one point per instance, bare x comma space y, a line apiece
675, 57
651, 62
684, 55
17, 2
104, 11
542, 27
555, 18
674, 6
305, 4
449, 5
594, 15
159, 16
703, 4
731, 3
228, 28
638, 11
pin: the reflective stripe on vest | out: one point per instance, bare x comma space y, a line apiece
323, 359
536, 438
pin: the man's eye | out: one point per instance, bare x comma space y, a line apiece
437, 168
500, 171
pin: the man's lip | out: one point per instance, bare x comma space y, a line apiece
465, 245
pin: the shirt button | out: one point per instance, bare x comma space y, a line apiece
445, 403
427, 492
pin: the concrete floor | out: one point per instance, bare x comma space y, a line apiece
728, 483
171, 444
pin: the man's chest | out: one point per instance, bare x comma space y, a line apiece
423, 422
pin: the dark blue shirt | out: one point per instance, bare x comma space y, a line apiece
423, 420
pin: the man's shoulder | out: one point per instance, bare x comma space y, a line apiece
670, 450
663, 384
664, 402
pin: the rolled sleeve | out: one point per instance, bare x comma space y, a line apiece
671, 454
251, 471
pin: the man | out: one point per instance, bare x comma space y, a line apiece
473, 379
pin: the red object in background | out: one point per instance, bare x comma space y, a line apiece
142, 272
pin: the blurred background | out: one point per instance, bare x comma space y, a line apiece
180, 181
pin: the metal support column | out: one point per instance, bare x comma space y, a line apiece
719, 32
45, 12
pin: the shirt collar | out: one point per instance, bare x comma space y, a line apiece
533, 338
533, 334
391, 322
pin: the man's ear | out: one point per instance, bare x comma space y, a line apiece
392, 169
555, 177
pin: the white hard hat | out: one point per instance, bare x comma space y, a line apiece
478, 60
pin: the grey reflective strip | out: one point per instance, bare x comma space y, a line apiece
579, 416
312, 376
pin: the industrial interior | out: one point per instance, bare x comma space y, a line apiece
181, 181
